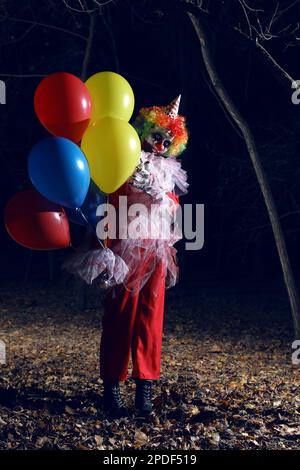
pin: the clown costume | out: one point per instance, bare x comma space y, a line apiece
139, 263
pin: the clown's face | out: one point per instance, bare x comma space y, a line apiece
157, 141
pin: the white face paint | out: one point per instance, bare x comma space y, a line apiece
157, 141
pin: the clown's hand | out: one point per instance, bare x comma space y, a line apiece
104, 280
141, 179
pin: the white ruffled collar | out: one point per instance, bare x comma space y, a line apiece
166, 173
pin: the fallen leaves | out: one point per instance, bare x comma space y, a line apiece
140, 439
226, 381
99, 442
285, 430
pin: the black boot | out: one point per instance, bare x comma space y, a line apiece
112, 400
143, 396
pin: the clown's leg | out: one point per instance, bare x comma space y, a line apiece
118, 325
148, 329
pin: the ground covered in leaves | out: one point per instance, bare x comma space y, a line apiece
227, 378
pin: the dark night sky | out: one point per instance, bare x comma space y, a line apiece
158, 52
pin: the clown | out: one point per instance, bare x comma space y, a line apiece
138, 269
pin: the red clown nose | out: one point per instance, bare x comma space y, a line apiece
159, 147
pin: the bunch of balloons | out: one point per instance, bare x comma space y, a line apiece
93, 150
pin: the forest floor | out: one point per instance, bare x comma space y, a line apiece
227, 379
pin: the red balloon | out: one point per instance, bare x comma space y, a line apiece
63, 105
36, 223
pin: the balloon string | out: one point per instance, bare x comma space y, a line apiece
105, 241
78, 209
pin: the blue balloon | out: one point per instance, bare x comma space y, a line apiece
88, 216
59, 170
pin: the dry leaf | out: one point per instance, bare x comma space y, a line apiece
140, 439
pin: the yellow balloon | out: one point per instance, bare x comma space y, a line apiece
111, 96
112, 148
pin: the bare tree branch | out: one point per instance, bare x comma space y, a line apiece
253, 44
98, 5
275, 64
22, 75
108, 28
247, 18
87, 52
48, 26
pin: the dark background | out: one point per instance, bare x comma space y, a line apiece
153, 45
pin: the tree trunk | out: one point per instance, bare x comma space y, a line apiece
260, 174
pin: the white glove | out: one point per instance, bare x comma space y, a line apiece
141, 179
105, 281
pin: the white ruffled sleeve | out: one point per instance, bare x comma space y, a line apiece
91, 264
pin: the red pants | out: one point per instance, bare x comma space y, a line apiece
133, 323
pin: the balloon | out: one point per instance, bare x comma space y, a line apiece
93, 199
112, 148
36, 223
111, 96
59, 170
63, 105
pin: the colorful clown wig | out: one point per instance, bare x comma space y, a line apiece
166, 117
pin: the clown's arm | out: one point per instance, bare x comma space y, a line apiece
141, 178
